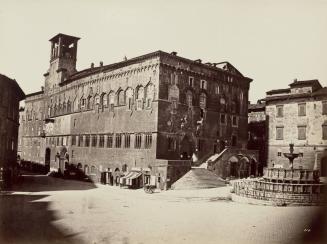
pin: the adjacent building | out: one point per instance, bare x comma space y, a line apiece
10, 96
153, 113
258, 131
298, 115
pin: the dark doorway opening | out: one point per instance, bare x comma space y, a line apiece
47, 160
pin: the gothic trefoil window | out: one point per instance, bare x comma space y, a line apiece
149, 95
139, 98
129, 98
111, 98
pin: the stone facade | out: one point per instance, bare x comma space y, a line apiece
298, 115
147, 112
10, 96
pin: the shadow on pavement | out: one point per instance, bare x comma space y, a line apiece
26, 219
40, 183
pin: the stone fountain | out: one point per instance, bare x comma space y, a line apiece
280, 186
291, 155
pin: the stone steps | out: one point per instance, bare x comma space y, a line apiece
198, 178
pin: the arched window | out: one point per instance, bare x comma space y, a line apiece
120, 98
189, 98
89, 102
103, 101
203, 100
69, 107
97, 102
111, 98
82, 103
129, 98
97, 99
64, 108
139, 97
149, 95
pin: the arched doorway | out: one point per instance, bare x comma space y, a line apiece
244, 167
233, 167
47, 158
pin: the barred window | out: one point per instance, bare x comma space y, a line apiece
148, 140
73, 140
87, 140
118, 140
109, 140
127, 141
101, 141
301, 132
94, 140
138, 140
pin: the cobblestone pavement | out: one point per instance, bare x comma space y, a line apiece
43, 209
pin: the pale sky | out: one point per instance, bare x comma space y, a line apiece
271, 42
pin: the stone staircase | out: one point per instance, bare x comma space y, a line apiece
198, 178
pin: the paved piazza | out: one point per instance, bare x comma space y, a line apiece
51, 210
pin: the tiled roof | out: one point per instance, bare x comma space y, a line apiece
14, 84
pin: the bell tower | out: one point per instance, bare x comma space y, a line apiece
62, 60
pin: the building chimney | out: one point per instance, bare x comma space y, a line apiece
295, 80
101, 63
42, 88
198, 61
174, 53
92, 65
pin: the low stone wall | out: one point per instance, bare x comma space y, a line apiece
280, 193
